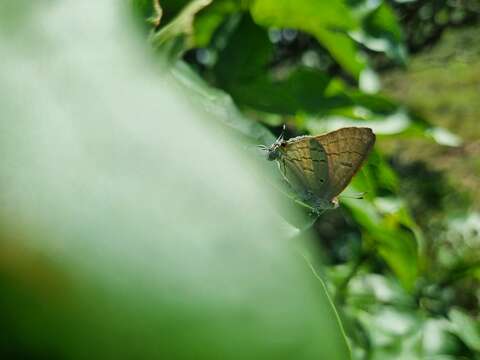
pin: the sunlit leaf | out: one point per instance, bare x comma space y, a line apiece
466, 328
180, 26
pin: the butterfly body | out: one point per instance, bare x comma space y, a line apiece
318, 168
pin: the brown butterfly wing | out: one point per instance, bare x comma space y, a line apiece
305, 165
346, 150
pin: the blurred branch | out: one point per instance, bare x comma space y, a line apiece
158, 14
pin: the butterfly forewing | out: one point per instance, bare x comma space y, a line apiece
306, 156
305, 166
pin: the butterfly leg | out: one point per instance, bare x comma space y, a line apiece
283, 170
303, 198
335, 203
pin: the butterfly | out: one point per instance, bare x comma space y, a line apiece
318, 168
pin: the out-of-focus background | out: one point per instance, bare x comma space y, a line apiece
142, 222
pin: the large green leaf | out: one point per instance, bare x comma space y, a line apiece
245, 57
131, 227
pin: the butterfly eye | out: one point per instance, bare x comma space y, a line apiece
273, 154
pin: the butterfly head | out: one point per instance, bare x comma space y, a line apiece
273, 151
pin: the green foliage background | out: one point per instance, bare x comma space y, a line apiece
193, 258
311, 65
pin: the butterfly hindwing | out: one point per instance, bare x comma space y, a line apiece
346, 149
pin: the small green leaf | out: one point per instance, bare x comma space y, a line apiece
395, 245
466, 328
181, 26
381, 32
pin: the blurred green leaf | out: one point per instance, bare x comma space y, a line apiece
395, 245
302, 91
210, 18
241, 69
375, 178
399, 333
369, 289
399, 123
380, 30
143, 10
245, 57
369, 81
444, 137
466, 328
328, 21
379, 173
171, 8
395, 333
394, 324
220, 104
438, 342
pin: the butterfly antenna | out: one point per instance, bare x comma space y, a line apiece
282, 134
